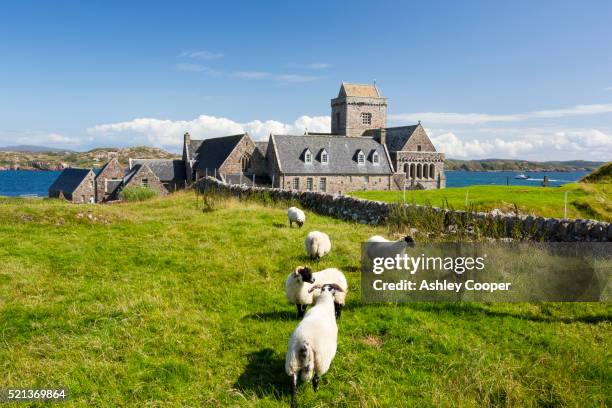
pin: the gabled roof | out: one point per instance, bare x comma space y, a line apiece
396, 137
211, 153
131, 173
362, 90
165, 170
69, 179
341, 150
262, 147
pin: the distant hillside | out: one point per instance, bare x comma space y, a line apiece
520, 165
28, 160
602, 175
33, 149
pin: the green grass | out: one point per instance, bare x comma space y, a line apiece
584, 201
136, 193
158, 303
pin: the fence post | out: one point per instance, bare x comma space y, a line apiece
404, 192
466, 199
565, 207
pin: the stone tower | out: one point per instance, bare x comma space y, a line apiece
358, 108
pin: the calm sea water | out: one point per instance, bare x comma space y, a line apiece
16, 183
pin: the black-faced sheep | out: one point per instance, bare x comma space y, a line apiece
301, 280
296, 215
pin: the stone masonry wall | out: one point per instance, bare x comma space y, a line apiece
337, 184
373, 212
86, 191
112, 171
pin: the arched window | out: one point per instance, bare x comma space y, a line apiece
412, 171
419, 171
432, 171
407, 169
245, 162
425, 171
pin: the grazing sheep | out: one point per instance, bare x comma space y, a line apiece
296, 215
317, 244
379, 247
313, 343
300, 281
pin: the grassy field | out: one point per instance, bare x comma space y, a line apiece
584, 200
160, 304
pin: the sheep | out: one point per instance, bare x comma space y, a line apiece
313, 343
379, 247
317, 244
296, 215
301, 280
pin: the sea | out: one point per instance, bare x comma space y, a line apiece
36, 183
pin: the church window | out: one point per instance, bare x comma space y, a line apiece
360, 157
245, 162
296, 183
366, 118
418, 148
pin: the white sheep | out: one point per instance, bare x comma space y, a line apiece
379, 247
301, 280
296, 215
317, 244
313, 343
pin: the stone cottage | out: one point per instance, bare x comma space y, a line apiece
74, 185
360, 153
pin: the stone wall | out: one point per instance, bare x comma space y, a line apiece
337, 184
85, 193
145, 173
372, 212
111, 171
346, 114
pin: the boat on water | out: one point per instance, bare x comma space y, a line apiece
521, 177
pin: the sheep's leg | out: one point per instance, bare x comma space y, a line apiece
293, 390
315, 382
290, 224
301, 310
338, 308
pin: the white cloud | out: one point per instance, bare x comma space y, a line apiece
319, 65
252, 74
169, 134
445, 118
535, 144
204, 55
38, 138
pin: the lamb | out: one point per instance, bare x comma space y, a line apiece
296, 215
301, 280
317, 244
379, 247
313, 343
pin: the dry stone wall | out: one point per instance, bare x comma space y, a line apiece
375, 213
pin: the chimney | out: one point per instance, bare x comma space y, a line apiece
382, 136
186, 138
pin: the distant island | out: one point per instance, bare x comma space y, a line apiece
520, 165
37, 158
26, 157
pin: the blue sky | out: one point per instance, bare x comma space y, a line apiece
487, 79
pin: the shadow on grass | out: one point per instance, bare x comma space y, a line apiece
279, 225
478, 309
264, 375
274, 315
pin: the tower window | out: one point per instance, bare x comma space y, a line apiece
366, 118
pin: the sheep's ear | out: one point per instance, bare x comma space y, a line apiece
298, 270
314, 288
336, 287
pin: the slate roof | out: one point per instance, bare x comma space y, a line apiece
262, 147
362, 90
341, 150
165, 170
397, 137
131, 173
211, 153
69, 179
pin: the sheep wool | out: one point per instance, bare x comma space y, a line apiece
379, 247
317, 244
312, 345
296, 215
299, 283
